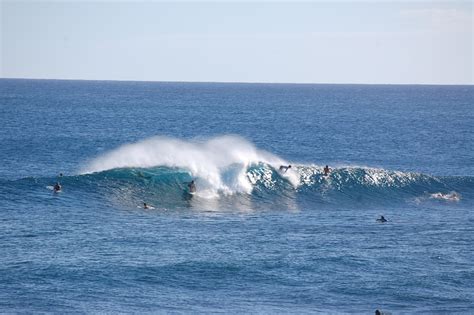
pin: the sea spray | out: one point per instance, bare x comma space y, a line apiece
228, 165
219, 164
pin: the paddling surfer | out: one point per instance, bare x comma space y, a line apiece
57, 187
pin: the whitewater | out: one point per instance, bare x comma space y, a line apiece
229, 165
253, 238
219, 164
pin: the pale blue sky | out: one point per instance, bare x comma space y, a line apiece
420, 42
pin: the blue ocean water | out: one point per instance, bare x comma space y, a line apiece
253, 238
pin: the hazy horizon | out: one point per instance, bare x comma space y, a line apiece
229, 82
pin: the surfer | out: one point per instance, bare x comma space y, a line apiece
145, 206
57, 187
192, 187
381, 219
284, 168
326, 170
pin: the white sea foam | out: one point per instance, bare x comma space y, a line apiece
218, 164
452, 196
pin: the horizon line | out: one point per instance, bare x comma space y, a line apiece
231, 82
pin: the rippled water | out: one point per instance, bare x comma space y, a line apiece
253, 238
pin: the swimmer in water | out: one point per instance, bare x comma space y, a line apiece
284, 168
57, 187
145, 206
326, 170
381, 219
192, 187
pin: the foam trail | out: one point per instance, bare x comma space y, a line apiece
209, 161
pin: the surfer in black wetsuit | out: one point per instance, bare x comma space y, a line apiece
381, 219
284, 168
57, 187
326, 170
192, 187
145, 206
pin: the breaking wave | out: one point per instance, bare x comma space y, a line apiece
229, 168
220, 164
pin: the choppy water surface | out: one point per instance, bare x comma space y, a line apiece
253, 238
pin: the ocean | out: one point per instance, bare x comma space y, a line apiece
252, 238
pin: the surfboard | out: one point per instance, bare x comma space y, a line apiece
52, 188
149, 207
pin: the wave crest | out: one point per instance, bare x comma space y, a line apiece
220, 164
229, 165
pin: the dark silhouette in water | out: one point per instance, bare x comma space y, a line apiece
284, 168
192, 187
326, 170
381, 219
57, 187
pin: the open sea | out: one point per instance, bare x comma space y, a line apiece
252, 238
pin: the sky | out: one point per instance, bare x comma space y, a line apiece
383, 42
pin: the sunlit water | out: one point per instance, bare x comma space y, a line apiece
252, 238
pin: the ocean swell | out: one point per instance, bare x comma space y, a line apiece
230, 165
219, 164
